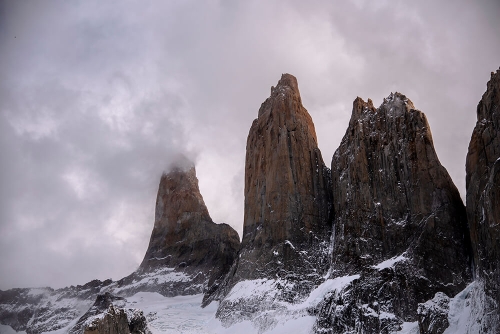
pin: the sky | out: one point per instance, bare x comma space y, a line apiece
97, 98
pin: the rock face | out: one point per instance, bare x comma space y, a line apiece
187, 251
399, 220
107, 317
287, 188
483, 198
287, 218
433, 314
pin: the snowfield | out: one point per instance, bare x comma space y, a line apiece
184, 314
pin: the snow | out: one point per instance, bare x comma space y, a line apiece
390, 262
301, 325
316, 296
466, 310
409, 328
164, 275
180, 314
250, 288
4, 329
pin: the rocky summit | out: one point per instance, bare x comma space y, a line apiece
380, 243
287, 190
188, 253
287, 217
483, 200
399, 220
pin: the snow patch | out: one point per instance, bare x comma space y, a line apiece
390, 262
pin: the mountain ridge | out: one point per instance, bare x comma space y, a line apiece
381, 242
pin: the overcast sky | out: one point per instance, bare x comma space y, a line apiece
97, 98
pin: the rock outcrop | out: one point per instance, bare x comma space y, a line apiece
188, 253
399, 220
107, 316
483, 199
287, 217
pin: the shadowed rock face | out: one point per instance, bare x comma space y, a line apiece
184, 237
287, 187
394, 200
107, 317
483, 194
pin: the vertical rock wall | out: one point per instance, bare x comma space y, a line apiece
483, 198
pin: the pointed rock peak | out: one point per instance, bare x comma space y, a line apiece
287, 185
287, 81
359, 106
287, 90
397, 101
179, 199
490, 101
394, 106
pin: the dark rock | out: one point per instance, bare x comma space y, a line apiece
483, 197
102, 303
105, 317
394, 202
433, 314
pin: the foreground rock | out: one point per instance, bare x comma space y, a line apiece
399, 221
483, 200
108, 316
287, 219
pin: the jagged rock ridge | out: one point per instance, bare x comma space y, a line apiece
399, 220
483, 200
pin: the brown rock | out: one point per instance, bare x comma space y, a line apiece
287, 220
483, 195
185, 239
287, 195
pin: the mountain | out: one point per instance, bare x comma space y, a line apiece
379, 243
287, 212
400, 223
188, 253
483, 201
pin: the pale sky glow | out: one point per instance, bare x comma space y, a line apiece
98, 97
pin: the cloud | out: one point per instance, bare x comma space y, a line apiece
97, 99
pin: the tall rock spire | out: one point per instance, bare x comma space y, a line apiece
187, 251
399, 220
483, 198
287, 186
287, 219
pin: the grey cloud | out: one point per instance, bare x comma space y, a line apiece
97, 99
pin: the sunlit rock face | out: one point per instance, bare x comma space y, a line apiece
483, 199
287, 211
188, 253
399, 220
287, 189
